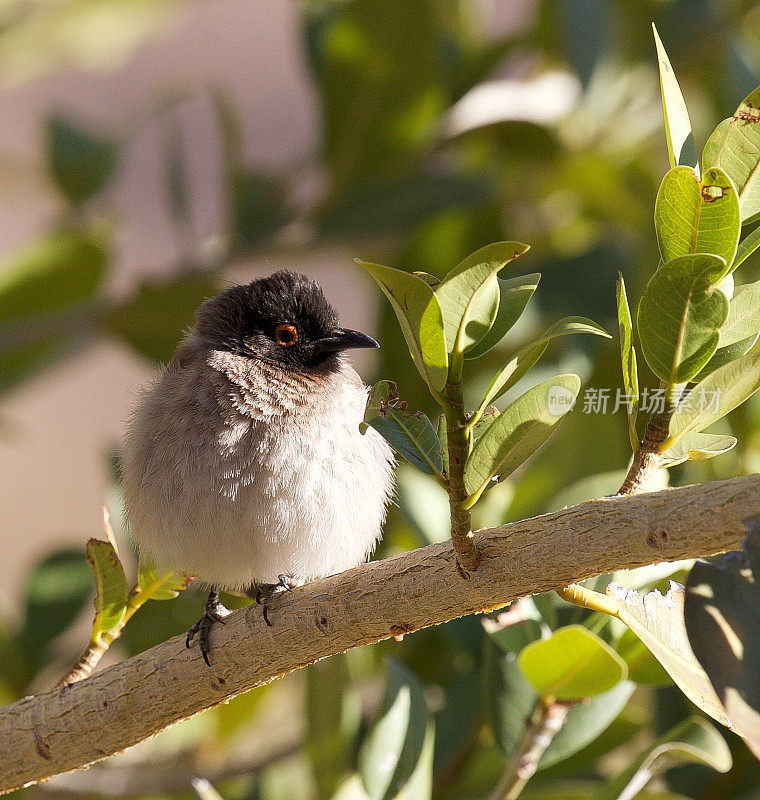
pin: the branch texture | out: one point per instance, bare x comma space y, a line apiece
73, 726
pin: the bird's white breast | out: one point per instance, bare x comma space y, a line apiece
241, 478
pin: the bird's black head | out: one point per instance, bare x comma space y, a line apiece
284, 319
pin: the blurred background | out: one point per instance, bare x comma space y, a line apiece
155, 151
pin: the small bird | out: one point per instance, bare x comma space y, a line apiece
244, 465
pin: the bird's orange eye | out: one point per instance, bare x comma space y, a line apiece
286, 335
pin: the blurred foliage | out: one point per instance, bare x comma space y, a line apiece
440, 134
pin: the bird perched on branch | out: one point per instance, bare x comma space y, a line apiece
244, 464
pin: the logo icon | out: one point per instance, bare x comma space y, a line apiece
559, 400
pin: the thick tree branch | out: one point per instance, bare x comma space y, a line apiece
126, 703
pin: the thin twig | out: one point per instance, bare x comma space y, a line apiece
544, 724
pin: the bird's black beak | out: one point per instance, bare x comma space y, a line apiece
343, 339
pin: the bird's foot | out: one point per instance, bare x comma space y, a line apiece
215, 612
266, 592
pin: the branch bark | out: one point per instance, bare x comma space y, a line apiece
77, 725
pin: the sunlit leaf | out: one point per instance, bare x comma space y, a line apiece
419, 316
692, 741
697, 216
658, 621
697, 447
628, 360
743, 319
469, 295
111, 586
521, 363
572, 664
81, 163
680, 315
513, 371
734, 146
512, 699
519, 431
722, 612
681, 148
643, 667
716, 395
412, 435
396, 758
60, 269
514, 294
159, 585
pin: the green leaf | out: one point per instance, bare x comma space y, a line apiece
419, 316
443, 439
697, 447
722, 613
569, 325
586, 721
747, 246
512, 699
469, 295
54, 595
628, 360
519, 431
734, 146
743, 319
23, 361
643, 667
396, 758
155, 317
424, 504
513, 371
697, 216
514, 294
257, 210
333, 716
155, 585
411, 435
715, 396
60, 269
524, 360
741, 329
692, 741
81, 164
680, 315
111, 586
392, 205
572, 664
681, 148
725, 355
658, 621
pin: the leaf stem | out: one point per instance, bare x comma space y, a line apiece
587, 598
462, 538
648, 457
543, 725
99, 644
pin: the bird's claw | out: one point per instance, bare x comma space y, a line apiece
215, 612
266, 592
